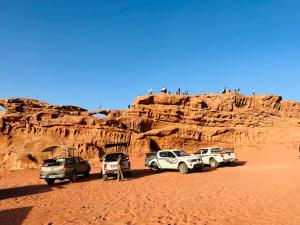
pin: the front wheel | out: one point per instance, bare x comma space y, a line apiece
154, 168
73, 177
183, 168
50, 181
104, 177
213, 163
86, 173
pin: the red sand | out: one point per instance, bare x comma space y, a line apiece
262, 189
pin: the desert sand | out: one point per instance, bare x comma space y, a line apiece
263, 188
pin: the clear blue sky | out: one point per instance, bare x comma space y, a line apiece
86, 52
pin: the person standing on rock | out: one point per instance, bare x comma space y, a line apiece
119, 168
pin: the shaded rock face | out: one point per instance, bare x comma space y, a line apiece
155, 122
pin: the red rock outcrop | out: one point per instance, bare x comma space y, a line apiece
155, 122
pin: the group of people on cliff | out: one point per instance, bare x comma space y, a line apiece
225, 90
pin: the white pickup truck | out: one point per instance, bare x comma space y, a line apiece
109, 164
214, 156
173, 159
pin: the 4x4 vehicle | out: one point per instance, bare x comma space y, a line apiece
211, 157
214, 156
173, 159
109, 164
109, 161
68, 167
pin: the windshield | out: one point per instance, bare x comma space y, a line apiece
180, 153
113, 157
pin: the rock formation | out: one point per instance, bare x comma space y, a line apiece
155, 122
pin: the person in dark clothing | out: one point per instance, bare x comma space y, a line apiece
119, 168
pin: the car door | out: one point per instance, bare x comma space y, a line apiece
83, 165
204, 156
78, 165
167, 160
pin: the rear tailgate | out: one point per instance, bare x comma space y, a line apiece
113, 166
229, 157
47, 171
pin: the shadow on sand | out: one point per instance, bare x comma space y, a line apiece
21, 191
16, 192
238, 163
135, 174
14, 216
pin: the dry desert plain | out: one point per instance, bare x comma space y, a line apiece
263, 188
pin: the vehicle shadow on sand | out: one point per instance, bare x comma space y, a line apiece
139, 173
14, 216
16, 192
235, 164
80, 179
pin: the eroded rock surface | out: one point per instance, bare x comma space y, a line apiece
155, 122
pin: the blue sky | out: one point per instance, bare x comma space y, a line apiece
90, 52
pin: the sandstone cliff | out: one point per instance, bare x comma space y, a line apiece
155, 122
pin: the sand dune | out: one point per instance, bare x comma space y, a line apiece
262, 189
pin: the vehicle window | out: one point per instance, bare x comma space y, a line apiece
170, 155
113, 157
204, 151
163, 154
216, 150
181, 153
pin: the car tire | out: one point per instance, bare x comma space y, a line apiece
213, 163
86, 174
104, 177
50, 181
182, 168
73, 177
154, 168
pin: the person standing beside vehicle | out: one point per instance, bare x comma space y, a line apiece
119, 168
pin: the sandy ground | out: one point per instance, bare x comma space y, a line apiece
262, 189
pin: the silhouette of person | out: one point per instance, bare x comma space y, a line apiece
119, 168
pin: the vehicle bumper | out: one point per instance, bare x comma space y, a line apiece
195, 165
52, 176
107, 172
230, 160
